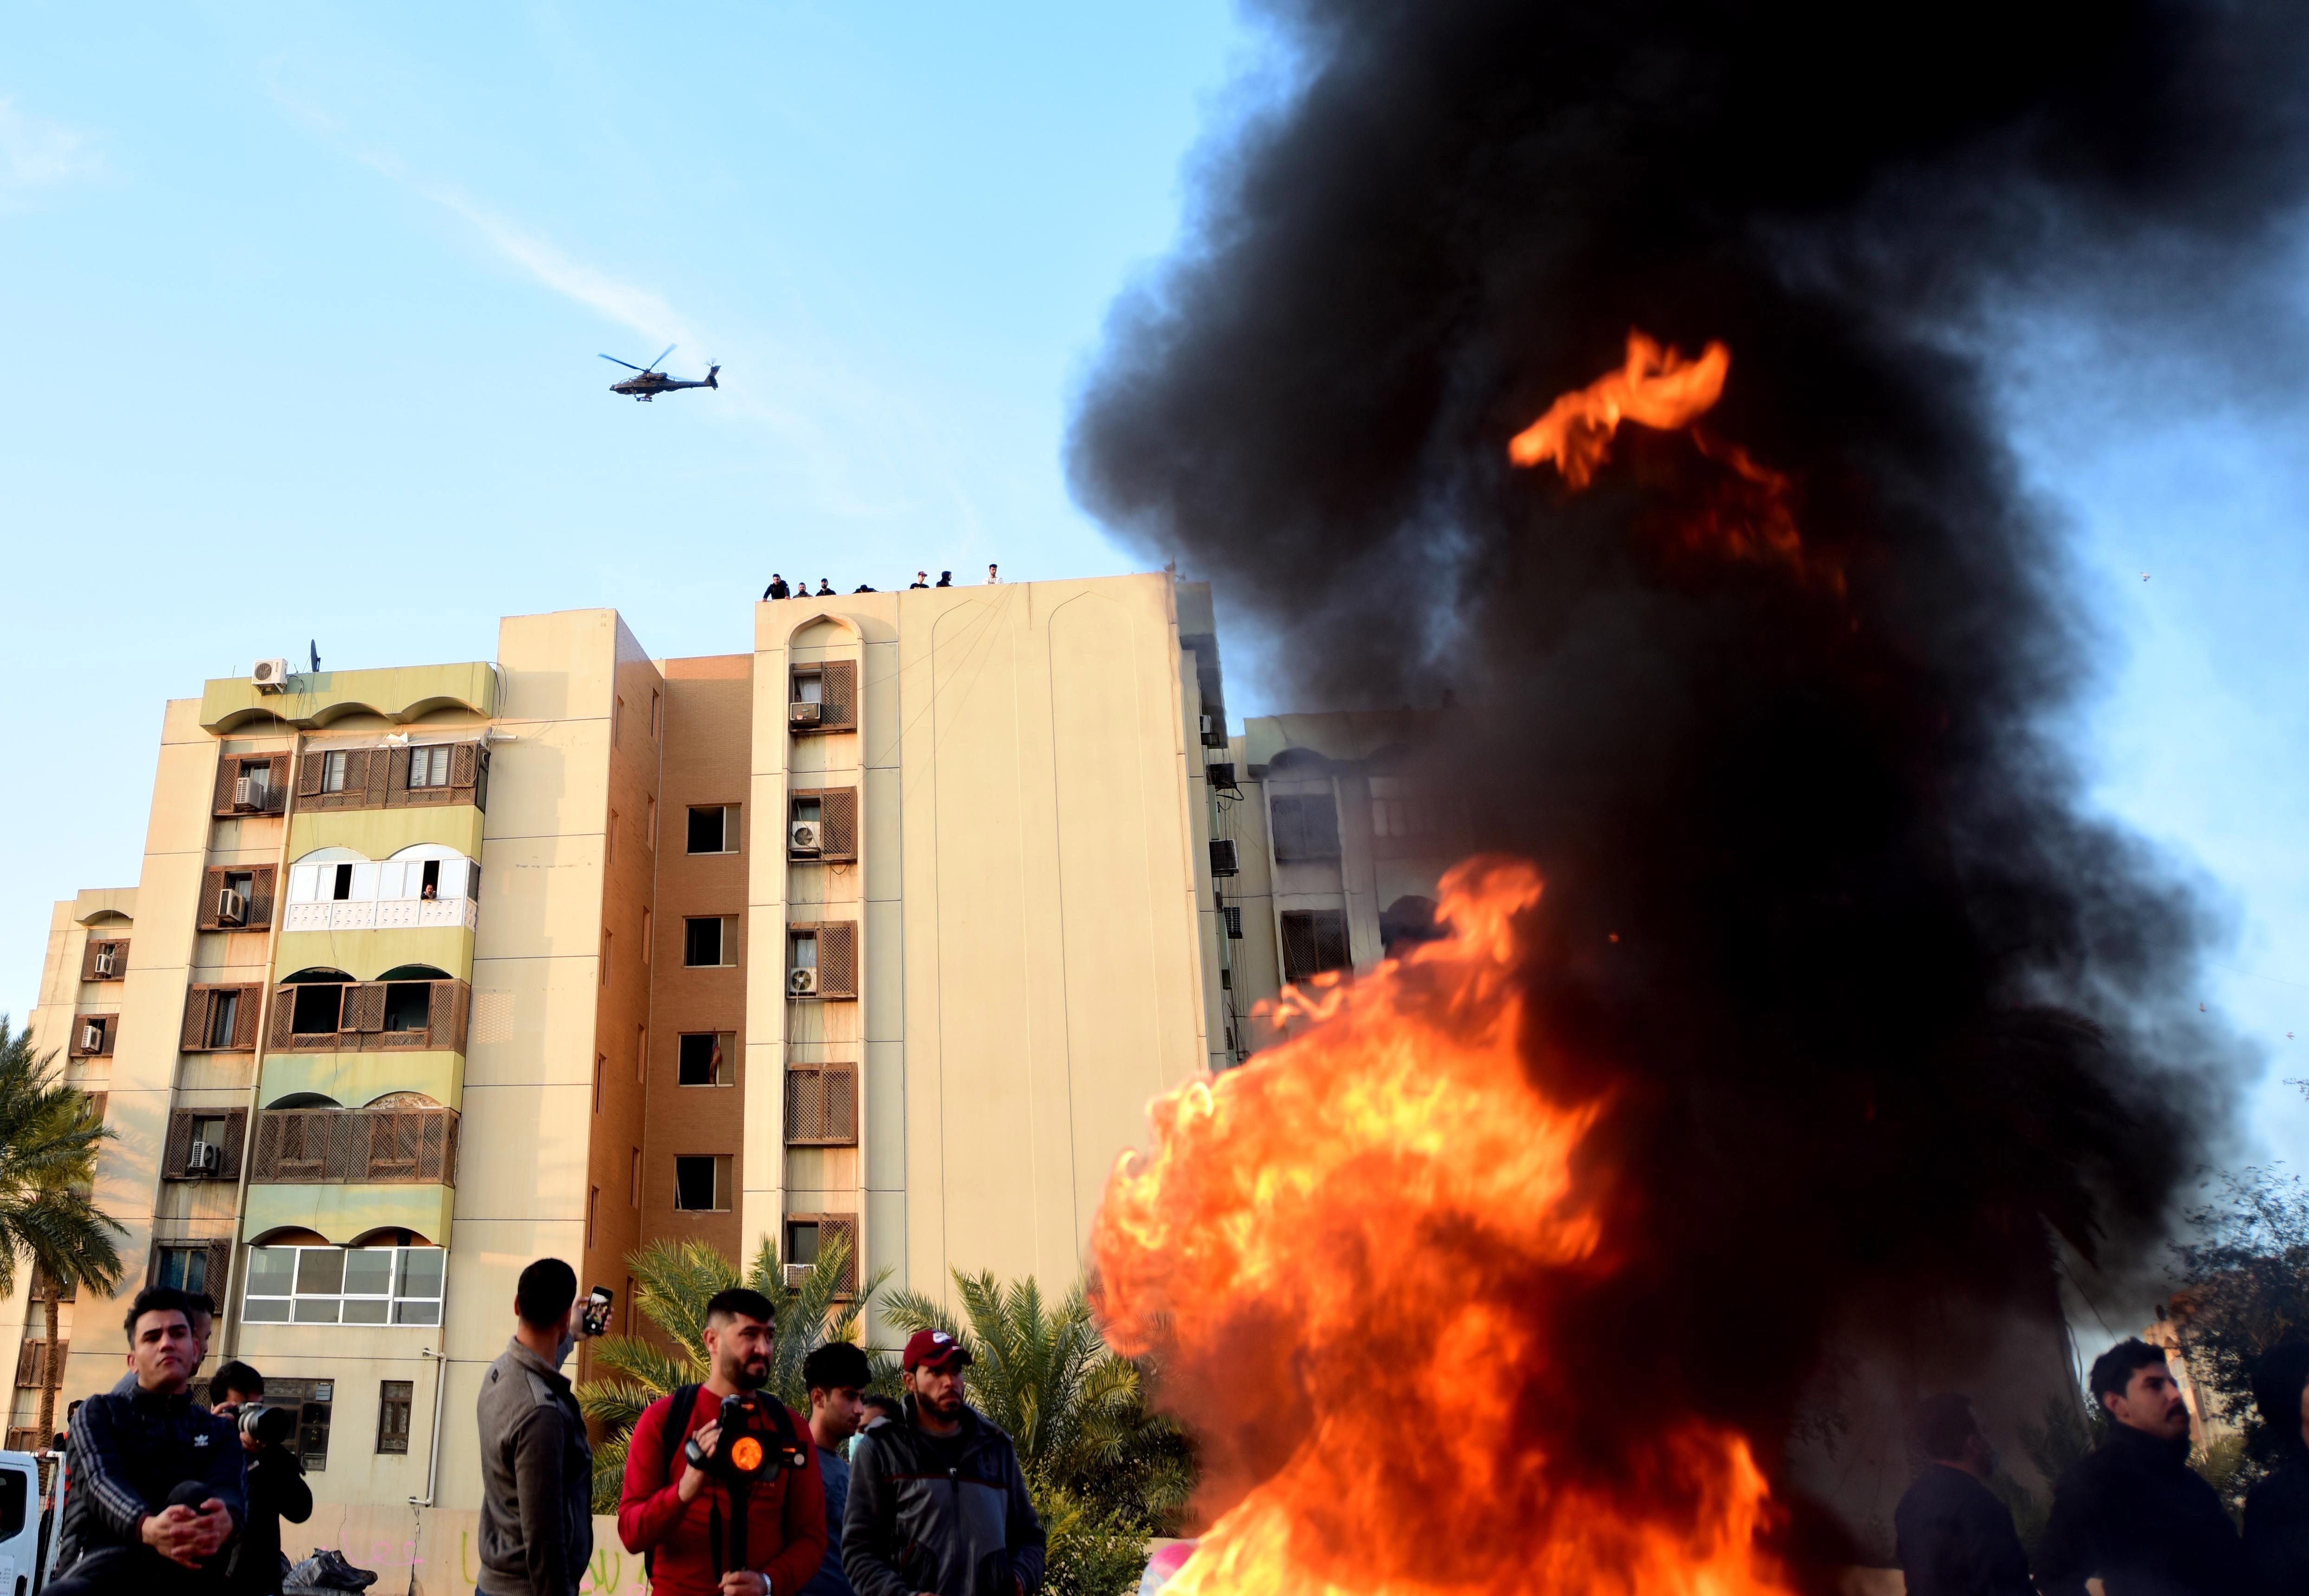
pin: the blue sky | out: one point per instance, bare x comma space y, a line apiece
303, 304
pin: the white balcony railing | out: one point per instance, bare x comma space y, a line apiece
383, 914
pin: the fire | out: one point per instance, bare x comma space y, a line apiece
1351, 1256
1658, 387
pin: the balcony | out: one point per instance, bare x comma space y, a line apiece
383, 914
356, 1146
404, 893
414, 1013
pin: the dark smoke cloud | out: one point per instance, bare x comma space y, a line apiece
1887, 1010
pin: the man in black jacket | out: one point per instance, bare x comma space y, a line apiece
938, 1503
157, 1485
1956, 1539
276, 1479
2277, 1509
536, 1532
2132, 1510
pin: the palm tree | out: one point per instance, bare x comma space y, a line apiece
673, 1281
49, 1135
1076, 1410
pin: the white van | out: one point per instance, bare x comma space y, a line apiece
20, 1524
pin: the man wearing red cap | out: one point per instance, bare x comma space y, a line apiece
938, 1503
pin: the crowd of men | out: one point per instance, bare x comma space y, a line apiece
2130, 1511
798, 588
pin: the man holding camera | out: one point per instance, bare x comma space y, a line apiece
723, 1490
938, 1503
537, 1466
276, 1479
157, 1482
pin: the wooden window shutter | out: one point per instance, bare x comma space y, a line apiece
396, 779
465, 764
195, 1036
179, 1147
445, 1017
838, 694
282, 1031
28, 1363
219, 1263
364, 1007
243, 1018
88, 953
838, 817
260, 897
837, 959
276, 784
211, 887
236, 1130
309, 769
846, 1227
227, 768
111, 1026
373, 781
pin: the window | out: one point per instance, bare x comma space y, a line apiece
609, 841
335, 1285
394, 1398
601, 1068
652, 818
618, 723
703, 1062
408, 1005
1398, 812
647, 938
605, 955
821, 1105
657, 702
701, 1185
701, 942
429, 882
641, 1054
811, 1236
319, 1005
341, 885
713, 829
333, 770
634, 1189
805, 951
801, 1243
810, 688
430, 767
312, 1398
208, 1130
592, 1214
1313, 941
1306, 826
1233, 913
186, 1268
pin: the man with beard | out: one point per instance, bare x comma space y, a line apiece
703, 1534
2132, 1510
938, 1503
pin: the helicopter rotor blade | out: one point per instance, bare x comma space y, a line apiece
661, 354
628, 365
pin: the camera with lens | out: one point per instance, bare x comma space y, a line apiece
268, 1427
757, 1440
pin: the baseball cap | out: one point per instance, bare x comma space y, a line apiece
934, 1349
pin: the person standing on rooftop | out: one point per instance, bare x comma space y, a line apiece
993, 576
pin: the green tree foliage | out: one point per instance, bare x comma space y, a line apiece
2244, 1290
672, 1283
50, 1136
1095, 1454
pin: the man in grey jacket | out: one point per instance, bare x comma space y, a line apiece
537, 1467
938, 1503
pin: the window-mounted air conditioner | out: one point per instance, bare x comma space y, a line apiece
232, 909
107, 964
248, 792
803, 714
204, 1157
797, 1276
803, 837
270, 676
1222, 857
802, 983
1220, 775
92, 1039
1215, 733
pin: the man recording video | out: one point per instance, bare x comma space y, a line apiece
156, 1483
723, 1490
276, 1479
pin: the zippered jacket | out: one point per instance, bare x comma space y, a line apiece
126, 1453
951, 1516
536, 1532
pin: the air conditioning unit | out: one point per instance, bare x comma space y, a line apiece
802, 983
92, 1039
232, 909
1220, 775
1222, 857
803, 837
107, 964
271, 676
797, 1276
248, 792
204, 1157
1215, 733
803, 714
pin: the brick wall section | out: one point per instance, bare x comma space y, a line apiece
708, 761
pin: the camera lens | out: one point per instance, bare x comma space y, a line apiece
271, 1427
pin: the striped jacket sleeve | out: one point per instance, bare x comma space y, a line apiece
108, 1499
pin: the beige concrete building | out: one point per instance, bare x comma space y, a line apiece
891, 927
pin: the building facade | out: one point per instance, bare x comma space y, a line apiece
889, 928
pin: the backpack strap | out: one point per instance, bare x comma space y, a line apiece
684, 1411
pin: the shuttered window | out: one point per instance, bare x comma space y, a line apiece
219, 1130
251, 784
809, 1235
370, 1016
236, 898
830, 947
832, 814
220, 1019
1313, 941
833, 686
821, 1105
33, 1363
393, 777
104, 959
92, 1035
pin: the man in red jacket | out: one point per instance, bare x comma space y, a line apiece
685, 1517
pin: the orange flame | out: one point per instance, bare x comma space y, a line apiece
1343, 1252
1658, 387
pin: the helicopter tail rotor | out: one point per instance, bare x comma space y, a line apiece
713, 376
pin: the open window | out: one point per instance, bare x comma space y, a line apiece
812, 1236
236, 898
706, 941
220, 1019
1314, 940
713, 828
705, 1058
824, 697
703, 1183
822, 823
251, 784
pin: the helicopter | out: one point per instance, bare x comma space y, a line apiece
654, 382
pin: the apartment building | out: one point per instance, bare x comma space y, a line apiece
888, 929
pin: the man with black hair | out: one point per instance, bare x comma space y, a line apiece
921, 580
705, 1533
2277, 1509
938, 1503
157, 1482
777, 588
946, 579
276, 1481
2132, 1510
537, 1467
201, 1308
835, 1375
1956, 1539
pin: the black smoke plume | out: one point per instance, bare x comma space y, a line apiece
1893, 1018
